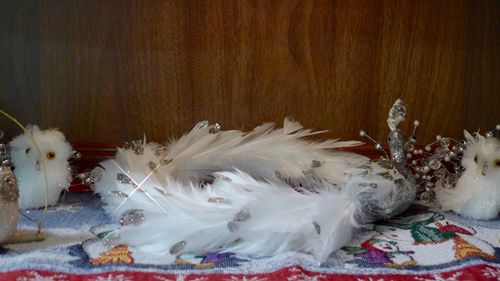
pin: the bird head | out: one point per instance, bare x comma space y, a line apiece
55, 150
482, 155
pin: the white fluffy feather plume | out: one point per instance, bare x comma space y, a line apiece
230, 191
477, 192
261, 153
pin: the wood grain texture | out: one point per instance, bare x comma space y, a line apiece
108, 71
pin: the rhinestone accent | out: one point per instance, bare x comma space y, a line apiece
220, 200
177, 247
118, 193
132, 217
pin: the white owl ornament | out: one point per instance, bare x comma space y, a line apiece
29, 168
477, 192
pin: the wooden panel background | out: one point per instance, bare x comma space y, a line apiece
108, 71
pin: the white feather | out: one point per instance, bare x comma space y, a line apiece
279, 218
261, 152
29, 169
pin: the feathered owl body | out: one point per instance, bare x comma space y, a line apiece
477, 192
29, 169
257, 193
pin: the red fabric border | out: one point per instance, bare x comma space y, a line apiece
295, 273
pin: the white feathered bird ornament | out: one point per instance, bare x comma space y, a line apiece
258, 193
29, 169
477, 192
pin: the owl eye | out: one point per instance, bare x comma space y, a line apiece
475, 158
497, 163
51, 155
28, 150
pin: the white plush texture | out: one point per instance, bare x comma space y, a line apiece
30, 180
477, 193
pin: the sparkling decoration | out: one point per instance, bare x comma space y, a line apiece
397, 202
76, 155
220, 200
132, 217
123, 179
9, 208
434, 164
9, 194
215, 128
90, 178
445, 142
118, 193
202, 124
111, 240
177, 247
136, 146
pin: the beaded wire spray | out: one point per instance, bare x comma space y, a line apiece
438, 161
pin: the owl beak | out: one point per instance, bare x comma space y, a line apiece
485, 168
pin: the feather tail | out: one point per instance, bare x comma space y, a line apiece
237, 214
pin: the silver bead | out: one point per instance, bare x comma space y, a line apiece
378, 146
416, 123
438, 137
447, 158
76, 155
425, 169
497, 127
362, 133
428, 148
488, 134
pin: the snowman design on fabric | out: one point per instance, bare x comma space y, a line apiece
429, 233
